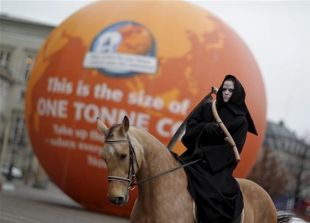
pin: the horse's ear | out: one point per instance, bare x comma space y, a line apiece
125, 124
102, 127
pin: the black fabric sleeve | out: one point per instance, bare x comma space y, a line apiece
236, 124
200, 125
240, 135
221, 156
193, 128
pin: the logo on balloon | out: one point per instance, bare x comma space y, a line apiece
123, 49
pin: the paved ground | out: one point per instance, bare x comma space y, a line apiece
26, 204
29, 205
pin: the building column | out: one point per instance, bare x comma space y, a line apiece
4, 156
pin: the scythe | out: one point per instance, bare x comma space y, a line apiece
217, 118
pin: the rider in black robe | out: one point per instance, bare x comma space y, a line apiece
210, 181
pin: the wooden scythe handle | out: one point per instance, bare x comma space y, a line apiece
228, 137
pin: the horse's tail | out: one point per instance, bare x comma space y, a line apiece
284, 218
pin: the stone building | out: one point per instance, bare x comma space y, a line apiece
20, 41
290, 157
293, 152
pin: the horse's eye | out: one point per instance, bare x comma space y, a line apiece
122, 156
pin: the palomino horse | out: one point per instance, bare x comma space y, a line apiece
134, 156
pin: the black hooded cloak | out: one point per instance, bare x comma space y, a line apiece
211, 184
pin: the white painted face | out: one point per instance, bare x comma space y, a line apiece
228, 89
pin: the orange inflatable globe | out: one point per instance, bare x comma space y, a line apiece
151, 60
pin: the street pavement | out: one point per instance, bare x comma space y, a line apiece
26, 204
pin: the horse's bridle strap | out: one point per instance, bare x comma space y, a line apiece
116, 178
131, 179
115, 141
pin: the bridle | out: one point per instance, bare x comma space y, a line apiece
131, 176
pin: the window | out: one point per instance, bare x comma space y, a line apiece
29, 61
4, 87
5, 56
22, 95
2, 120
17, 134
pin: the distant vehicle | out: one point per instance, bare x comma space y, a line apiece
293, 217
303, 209
16, 172
297, 220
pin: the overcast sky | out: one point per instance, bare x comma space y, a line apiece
277, 33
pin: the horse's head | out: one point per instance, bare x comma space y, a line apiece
121, 159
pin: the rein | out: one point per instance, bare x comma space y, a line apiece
166, 172
131, 176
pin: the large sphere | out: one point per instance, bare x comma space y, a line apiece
151, 60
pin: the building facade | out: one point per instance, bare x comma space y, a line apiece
20, 41
293, 155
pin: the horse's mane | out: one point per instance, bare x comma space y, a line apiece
144, 133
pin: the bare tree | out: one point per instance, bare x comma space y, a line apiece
270, 174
